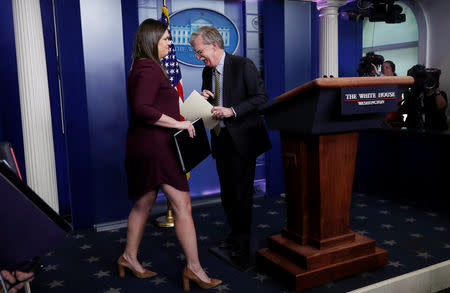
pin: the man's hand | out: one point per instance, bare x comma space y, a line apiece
221, 112
206, 94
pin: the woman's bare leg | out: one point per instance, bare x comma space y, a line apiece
136, 225
184, 228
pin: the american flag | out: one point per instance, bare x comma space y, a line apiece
170, 62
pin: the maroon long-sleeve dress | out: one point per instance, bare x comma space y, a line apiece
150, 155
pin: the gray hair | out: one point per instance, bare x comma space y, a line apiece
209, 34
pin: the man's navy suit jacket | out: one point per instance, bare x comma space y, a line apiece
243, 89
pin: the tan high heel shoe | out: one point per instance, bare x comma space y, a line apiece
189, 275
122, 263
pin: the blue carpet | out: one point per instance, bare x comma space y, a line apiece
415, 237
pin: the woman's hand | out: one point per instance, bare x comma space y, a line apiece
206, 94
16, 280
187, 125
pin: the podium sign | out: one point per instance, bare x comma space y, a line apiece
364, 100
319, 140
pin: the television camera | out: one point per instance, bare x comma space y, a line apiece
365, 68
375, 10
426, 80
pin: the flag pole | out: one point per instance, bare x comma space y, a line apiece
167, 219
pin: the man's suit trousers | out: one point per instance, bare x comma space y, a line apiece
236, 176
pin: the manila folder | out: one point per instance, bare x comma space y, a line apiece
196, 106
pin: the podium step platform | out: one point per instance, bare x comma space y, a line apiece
303, 266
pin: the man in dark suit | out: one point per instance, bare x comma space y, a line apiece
234, 87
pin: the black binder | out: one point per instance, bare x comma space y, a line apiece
191, 151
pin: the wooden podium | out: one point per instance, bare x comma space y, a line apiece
319, 147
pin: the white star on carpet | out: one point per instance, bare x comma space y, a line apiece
218, 223
360, 195
86, 246
78, 236
222, 288
102, 274
382, 201
416, 235
263, 226
440, 229
432, 214
55, 284
158, 280
49, 253
113, 290
404, 207
51, 268
423, 254
361, 205
256, 205
92, 259
204, 215
272, 213
169, 244
280, 201
384, 212
361, 218
146, 264
181, 256
410, 220
390, 242
261, 277
387, 226
122, 240
362, 232
203, 238
395, 264
156, 233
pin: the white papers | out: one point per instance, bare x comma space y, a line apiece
196, 106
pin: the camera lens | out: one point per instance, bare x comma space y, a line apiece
430, 83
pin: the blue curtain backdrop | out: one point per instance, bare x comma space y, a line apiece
59, 137
9, 85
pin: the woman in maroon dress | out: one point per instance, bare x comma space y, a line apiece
150, 160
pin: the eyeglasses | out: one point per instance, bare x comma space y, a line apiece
199, 52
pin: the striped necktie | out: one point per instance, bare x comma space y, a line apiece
216, 96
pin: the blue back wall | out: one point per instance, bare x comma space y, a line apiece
350, 44
94, 47
107, 104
